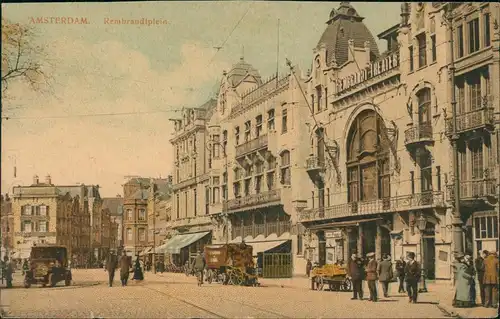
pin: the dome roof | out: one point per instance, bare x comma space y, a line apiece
240, 70
344, 24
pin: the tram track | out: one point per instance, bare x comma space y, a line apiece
271, 313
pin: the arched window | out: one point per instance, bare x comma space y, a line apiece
224, 141
368, 172
424, 106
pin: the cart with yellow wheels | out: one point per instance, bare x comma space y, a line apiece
334, 276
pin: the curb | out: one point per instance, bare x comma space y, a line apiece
448, 310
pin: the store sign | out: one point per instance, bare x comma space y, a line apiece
374, 69
334, 234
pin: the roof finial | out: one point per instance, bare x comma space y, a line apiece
345, 3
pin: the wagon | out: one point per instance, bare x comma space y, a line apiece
334, 276
49, 265
230, 264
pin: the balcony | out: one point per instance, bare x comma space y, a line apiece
271, 197
420, 134
251, 146
266, 229
314, 167
473, 191
480, 119
374, 207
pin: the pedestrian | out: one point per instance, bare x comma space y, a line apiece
124, 268
412, 277
138, 274
479, 264
26, 267
490, 280
371, 276
111, 264
385, 274
355, 271
471, 271
9, 270
198, 266
309, 266
463, 279
400, 270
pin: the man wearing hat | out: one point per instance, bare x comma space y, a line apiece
371, 276
111, 264
199, 266
356, 272
490, 280
412, 276
385, 273
479, 264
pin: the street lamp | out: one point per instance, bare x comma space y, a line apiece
421, 223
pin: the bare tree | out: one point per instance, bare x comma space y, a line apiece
22, 59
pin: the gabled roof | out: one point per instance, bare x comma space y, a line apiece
240, 70
113, 204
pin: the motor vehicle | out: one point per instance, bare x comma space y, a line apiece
48, 266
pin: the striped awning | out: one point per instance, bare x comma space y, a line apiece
174, 245
145, 251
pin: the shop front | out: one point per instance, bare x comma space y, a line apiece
184, 247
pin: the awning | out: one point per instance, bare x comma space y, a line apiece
145, 251
158, 249
343, 224
174, 245
263, 246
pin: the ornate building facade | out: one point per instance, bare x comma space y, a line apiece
380, 164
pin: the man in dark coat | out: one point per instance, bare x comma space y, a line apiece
124, 268
385, 275
356, 272
479, 264
400, 269
371, 276
490, 280
199, 266
412, 276
309, 266
111, 264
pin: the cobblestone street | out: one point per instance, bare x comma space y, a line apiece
177, 296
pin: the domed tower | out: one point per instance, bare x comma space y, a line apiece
346, 24
243, 76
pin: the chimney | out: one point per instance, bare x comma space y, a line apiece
118, 196
48, 179
170, 179
35, 180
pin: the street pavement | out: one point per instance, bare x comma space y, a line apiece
177, 296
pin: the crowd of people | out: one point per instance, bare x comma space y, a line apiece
407, 272
126, 268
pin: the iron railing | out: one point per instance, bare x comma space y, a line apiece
370, 207
474, 189
314, 162
252, 145
252, 200
471, 120
419, 132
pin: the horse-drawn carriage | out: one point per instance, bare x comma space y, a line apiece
333, 275
230, 264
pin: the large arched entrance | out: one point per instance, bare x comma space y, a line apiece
368, 174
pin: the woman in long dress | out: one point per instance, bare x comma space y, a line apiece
138, 274
463, 282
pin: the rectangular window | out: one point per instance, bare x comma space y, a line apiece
258, 184
195, 204
313, 200
42, 227
26, 226
460, 91
129, 234
412, 181
215, 194
353, 184
486, 227
28, 210
425, 172
299, 244
487, 35
384, 179
237, 135
177, 206
473, 35
258, 126
142, 234
422, 50
270, 181
248, 126
130, 215
433, 48
284, 122
319, 93
207, 199
460, 41
142, 214
216, 146
270, 120
477, 165
438, 173
43, 210
410, 58
236, 189
326, 98
474, 84
328, 197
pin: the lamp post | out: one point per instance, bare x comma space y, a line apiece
421, 223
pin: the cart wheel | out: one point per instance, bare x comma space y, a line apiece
346, 285
234, 279
51, 280
319, 283
209, 276
332, 286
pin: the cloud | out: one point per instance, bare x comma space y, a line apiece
102, 78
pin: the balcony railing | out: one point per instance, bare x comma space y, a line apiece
483, 117
314, 163
251, 146
278, 228
252, 200
474, 189
390, 204
418, 133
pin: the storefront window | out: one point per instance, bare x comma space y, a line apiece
486, 227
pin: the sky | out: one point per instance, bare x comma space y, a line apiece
147, 72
